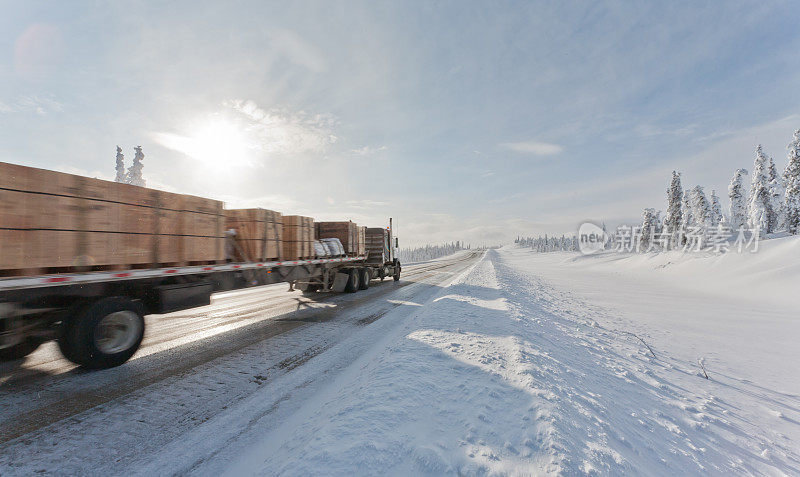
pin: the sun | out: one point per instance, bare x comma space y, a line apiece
219, 142
215, 142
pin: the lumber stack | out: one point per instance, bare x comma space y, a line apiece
362, 241
298, 237
259, 234
53, 220
346, 232
377, 245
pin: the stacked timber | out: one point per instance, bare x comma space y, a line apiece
259, 234
362, 241
346, 232
377, 245
57, 222
298, 237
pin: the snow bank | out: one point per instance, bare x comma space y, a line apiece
739, 311
768, 276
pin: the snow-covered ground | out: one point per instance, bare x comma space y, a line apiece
525, 364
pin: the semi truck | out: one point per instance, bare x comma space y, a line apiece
98, 318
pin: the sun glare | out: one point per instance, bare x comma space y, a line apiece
217, 143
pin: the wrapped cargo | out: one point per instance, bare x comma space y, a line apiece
298, 237
334, 246
320, 250
346, 232
258, 234
54, 220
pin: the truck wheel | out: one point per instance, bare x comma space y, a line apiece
353, 281
20, 350
104, 334
382, 273
397, 269
366, 276
312, 289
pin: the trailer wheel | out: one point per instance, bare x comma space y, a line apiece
366, 276
103, 334
312, 289
352, 282
20, 350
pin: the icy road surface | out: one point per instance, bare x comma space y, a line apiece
517, 363
58, 419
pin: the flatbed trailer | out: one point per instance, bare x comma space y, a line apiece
98, 318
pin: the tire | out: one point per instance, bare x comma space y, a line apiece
312, 289
382, 273
20, 350
65, 345
104, 333
397, 270
364, 278
353, 282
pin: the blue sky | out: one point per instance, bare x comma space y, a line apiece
475, 121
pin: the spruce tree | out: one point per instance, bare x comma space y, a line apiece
759, 203
686, 207
120, 166
776, 193
791, 178
649, 229
674, 218
134, 175
738, 213
716, 209
701, 208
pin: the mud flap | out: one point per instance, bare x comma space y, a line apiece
340, 282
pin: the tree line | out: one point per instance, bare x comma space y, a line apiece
770, 204
429, 252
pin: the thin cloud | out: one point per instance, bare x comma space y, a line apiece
366, 204
367, 150
285, 132
40, 105
533, 147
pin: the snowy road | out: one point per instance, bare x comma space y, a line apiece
192, 365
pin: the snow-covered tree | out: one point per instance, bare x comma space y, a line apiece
760, 210
120, 166
738, 216
134, 175
608, 244
674, 218
791, 178
776, 193
686, 207
428, 252
649, 230
701, 208
716, 209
